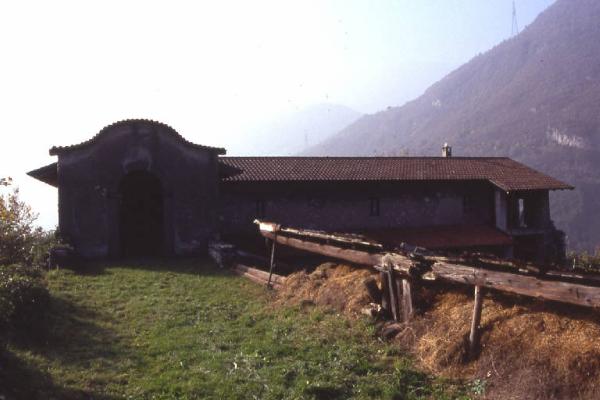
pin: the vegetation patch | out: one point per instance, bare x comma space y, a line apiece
189, 330
529, 349
23, 301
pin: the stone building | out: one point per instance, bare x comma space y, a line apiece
140, 188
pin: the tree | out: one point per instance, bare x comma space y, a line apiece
18, 235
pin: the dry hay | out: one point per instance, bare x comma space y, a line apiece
339, 287
529, 349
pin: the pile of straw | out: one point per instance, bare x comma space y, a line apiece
529, 349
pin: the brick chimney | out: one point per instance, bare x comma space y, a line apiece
446, 150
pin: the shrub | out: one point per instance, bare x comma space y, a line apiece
23, 294
24, 298
585, 261
17, 232
44, 244
21, 242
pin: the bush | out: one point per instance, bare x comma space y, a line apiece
24, 299
17, 232
43, 246
23, 294
21, 242
588, 262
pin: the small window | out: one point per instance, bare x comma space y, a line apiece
374, 211
521, 213
261, 209
468, 204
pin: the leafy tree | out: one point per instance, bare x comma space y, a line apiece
23, 294
18, 235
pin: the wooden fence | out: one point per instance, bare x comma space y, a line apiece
407, 265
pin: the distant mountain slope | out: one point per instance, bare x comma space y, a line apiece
534, 98
294, 132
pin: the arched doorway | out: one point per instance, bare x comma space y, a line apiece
141, 217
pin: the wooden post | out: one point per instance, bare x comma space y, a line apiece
393, 294
385, 292
407, 302
474, 335
272, 265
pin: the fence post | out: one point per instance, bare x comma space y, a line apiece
474, 335
272, 264
393, 293
385, 292
407, 301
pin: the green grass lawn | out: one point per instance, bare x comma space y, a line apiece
185, 329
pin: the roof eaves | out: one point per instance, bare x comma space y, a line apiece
559, 186
47, 174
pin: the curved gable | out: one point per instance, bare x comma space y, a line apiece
135, 125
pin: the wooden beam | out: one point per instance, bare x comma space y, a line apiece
400, 263
341, 238
520, 284
354, 256
580, 292
475, 321
260, 281
476, 259
259, 274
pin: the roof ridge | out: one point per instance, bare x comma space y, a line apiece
55, 150
369, 157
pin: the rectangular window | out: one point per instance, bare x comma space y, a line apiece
521, 213
374, 210
261, 209
468, 204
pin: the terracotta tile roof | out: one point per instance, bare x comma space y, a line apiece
503, 172
166, 128
441, 237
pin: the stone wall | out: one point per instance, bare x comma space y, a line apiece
348, 206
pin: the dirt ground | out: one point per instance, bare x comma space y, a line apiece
529, 349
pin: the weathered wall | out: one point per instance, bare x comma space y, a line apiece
89, 180
346, 206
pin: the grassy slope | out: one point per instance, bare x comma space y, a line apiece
188, 330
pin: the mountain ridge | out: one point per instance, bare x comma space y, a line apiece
534, 97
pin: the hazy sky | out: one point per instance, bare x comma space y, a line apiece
213, 69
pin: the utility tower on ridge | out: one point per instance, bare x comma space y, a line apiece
515, 24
